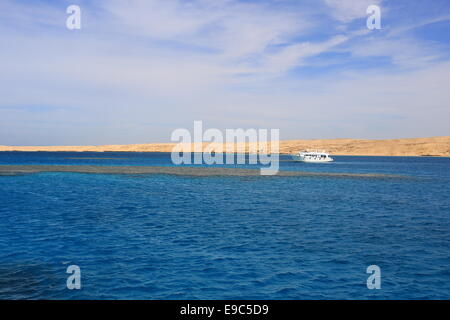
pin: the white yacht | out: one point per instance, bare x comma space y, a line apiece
315, 156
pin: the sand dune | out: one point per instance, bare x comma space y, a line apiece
435, 146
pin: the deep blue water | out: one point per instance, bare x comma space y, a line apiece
182, 237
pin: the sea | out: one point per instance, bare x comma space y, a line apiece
164, 236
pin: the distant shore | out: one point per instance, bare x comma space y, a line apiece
434, 146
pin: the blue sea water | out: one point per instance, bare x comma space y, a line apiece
218, 237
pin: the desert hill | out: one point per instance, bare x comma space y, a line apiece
435, 146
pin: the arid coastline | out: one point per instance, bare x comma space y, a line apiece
434, 146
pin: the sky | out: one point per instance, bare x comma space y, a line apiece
137, 70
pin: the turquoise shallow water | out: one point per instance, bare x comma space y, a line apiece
181, 237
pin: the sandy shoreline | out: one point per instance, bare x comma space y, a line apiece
434, 146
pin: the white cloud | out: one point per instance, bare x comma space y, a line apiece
138, 69
294, 55
348, 10
233, 28
403, 52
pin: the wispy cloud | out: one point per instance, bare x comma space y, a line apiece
229, 62
348, 10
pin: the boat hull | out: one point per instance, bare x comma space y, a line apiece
316, 161
302, 159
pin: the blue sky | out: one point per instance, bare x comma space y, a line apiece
137, 70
